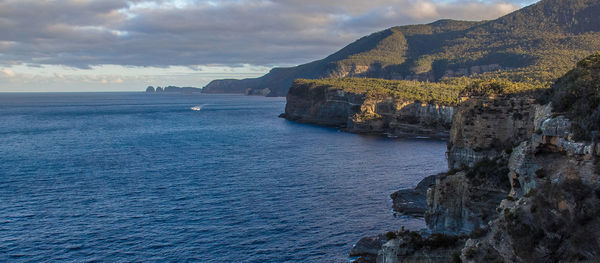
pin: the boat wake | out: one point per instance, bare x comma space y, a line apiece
197, 108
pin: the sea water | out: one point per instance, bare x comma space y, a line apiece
122, 177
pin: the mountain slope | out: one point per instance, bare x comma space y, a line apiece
539, 42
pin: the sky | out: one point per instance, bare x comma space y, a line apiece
126, 45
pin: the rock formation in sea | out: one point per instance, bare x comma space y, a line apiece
172, 89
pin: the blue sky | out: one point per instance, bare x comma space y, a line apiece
121, 45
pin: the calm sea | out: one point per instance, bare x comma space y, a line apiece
121, 177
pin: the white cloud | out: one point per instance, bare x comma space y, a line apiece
8, 72
227, 32
121, 42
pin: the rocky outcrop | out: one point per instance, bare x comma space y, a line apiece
366, 249
483, 133
360, 113
410, 246
555, 198
525, 179
466, 201
413, 201
547, 186
488, 126
174, 89
553, 211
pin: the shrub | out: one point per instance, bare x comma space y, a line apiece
486, 171
471, 252
479, 232
453, 171
455, 257
441, 240
390, 235
508, 150
540, 173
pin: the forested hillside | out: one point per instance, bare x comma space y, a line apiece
537, 43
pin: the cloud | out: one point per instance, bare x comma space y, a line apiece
8, 73
160, 33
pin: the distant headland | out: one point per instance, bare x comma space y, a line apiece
184, 90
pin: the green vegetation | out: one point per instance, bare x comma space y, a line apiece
471, 252
536, 44
562, 217
444, 93
489, 171
494, 87
578, 95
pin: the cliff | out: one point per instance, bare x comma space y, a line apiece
364, 112
488, 126
555, 181
541, 42
228, 86
525, 179
554, 198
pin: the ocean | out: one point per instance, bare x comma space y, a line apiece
136, 177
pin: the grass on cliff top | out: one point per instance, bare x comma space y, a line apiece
447, 92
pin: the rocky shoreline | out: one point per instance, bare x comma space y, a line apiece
524, 169
510, 174
359, 113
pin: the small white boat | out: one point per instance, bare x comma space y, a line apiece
197, 108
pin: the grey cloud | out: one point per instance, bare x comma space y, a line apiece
82, 33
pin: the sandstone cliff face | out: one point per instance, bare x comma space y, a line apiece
538, 201
321, 106
484, 130
463, 202
555, 199
362, 114
487, 126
